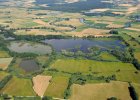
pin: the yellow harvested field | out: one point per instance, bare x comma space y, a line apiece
114, 26
36, 32
90, 31
133, 9
125, 5
133, 29
121, 13
99, 10
4, 63
71, 1
101, 91
40, 84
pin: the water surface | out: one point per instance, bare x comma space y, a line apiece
27, 47
84, 44
29, 65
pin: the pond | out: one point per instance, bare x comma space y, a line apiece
27, 47
83, 44
29, 65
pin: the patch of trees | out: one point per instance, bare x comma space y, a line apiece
112, 98
5, 97
22, 55
4, 81
124, 56
27, 98
136, 64
106, 13
133, 93
113, 32
47, 98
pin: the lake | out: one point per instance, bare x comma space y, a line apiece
83, 5
84, 44
27, 47
29, 65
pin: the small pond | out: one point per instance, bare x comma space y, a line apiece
27, 47
84, 44
29, 65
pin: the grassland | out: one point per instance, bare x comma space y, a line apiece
3, 74
42, 59
100, 91
57, 87
18, 87
72, 66
4, 54
108, 56
4, 63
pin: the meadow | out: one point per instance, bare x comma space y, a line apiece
85, 66
3, 75
18, 87
57, 87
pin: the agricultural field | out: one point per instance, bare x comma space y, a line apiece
97, 91
41, 88
3, 75
57, 86
4, 63
85, 66
21, 87
108, 57
4, 54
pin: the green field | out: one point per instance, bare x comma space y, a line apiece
72, 66
107, 56
2, 75
57, 87
18, 87
100, 91
127, 76
4, 54
42, 59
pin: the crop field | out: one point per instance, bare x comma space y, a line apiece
100, 91
19, 87
41, 88
2, 75
4, 54
4, 63
126, 76
57, 87
137, 56
72, 66
108, 57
